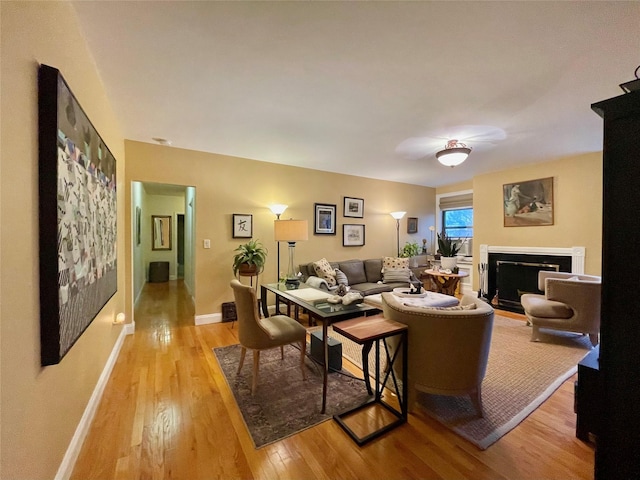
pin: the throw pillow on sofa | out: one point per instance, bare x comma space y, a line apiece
396, 275
324, 270
341, 278
394, 263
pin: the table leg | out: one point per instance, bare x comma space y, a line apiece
263, 300
326, 364
378, 389
404, 405
366, 348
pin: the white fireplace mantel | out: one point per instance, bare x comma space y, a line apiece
576, 254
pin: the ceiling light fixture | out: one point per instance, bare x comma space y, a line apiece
162, 141
454, 153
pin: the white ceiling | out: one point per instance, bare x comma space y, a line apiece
371, 89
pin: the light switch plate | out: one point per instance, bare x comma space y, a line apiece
207, 243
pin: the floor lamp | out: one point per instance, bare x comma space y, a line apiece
278, 210
291, 231
398, 216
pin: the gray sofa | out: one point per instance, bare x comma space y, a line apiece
364, 276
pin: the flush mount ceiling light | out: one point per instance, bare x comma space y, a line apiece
454, 153
162, 141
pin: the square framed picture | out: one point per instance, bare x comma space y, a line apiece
324, 219
412, 225
529, 203
242, 225
352, 235
353, 207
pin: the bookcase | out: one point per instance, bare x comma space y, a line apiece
619, 426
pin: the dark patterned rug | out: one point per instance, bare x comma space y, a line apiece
284, 404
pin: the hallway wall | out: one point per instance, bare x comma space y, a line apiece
41, 407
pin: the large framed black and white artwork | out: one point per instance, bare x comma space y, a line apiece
78, 212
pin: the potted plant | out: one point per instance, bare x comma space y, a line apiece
410, 251
250, 258
448, 249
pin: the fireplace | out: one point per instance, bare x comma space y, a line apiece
513, 271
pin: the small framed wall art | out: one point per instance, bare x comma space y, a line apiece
352, 235
412, 225
324, 219
242, 225
161, 234
353, 207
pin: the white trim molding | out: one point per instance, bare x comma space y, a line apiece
73, 450
208, 318
576, 254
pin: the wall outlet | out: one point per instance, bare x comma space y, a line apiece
207, 243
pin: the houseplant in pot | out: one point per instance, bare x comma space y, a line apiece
410, 251
250, 258
448, 249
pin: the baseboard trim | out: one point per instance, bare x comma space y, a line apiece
209, 318
71, 456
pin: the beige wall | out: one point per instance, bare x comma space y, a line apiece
577, 192
41, 407
455, 187
227, 185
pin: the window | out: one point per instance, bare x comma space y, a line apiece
458, 223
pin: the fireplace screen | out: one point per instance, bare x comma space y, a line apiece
514, 279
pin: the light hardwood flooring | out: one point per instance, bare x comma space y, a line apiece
167, 413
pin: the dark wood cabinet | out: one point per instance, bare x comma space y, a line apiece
619, 426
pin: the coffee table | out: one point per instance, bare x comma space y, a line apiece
314, 301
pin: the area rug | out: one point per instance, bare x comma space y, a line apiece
284, 404
520, 376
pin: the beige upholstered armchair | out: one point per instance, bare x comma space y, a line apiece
264, 333
570, 303
448, 349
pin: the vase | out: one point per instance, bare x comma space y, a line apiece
413, 262
448, 263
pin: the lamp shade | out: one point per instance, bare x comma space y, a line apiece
398, 215
278, 209
291, 230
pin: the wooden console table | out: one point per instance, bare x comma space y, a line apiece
445, 282
364, 331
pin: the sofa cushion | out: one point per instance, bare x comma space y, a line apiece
394, 275
394, 262
325, 270
354, 270
373, 269
371, 288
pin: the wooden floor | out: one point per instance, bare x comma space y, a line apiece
167, 413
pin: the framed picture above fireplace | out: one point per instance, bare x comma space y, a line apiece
528, 203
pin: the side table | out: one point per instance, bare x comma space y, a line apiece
365, 331
445, 282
